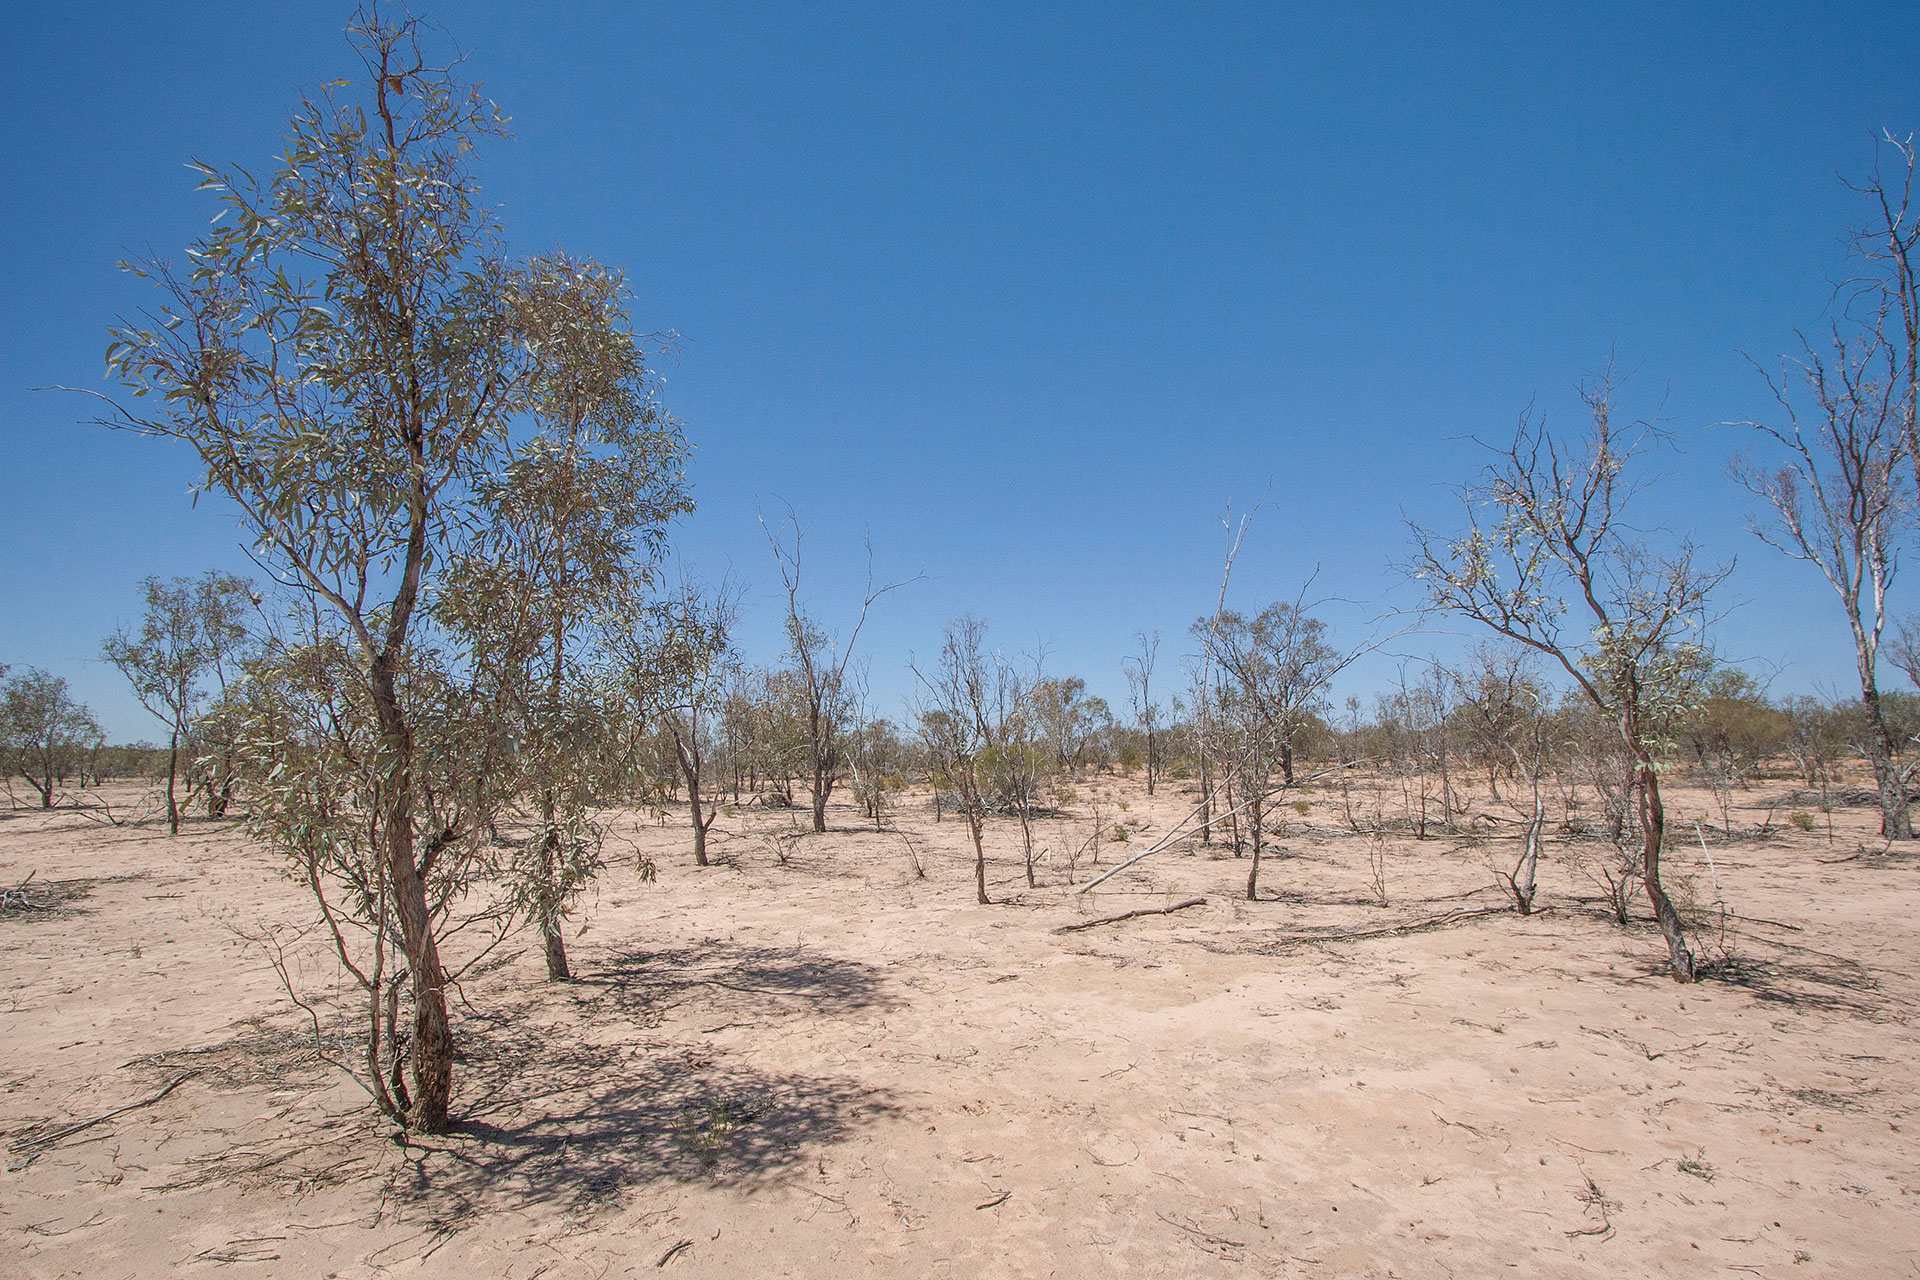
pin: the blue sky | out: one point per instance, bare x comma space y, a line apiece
1029, 293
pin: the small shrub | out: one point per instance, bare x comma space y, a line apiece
1064, 795
1303, 807
1119, 833
1801, 819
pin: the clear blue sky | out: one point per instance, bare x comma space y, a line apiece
1029, 292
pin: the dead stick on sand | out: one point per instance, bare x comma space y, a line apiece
997, 1200
65, 1131
673, 1253
1394, 930
1129, 915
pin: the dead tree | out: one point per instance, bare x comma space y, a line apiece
819, 663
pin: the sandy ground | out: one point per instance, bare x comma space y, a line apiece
834, 1067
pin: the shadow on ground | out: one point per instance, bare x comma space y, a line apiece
578, 1109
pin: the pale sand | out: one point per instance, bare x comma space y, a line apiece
828, 1068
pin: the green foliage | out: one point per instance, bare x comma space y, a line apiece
45, 735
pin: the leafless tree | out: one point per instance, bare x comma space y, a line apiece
1840, 501
1146, 711
819, 663
1887, 244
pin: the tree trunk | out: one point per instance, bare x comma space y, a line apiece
1895, 821
1026, 836
686, 749
1653, 825
822, 786
432, 1047
1206, 795
974, 823
1259, 838
173, 771
551, 938
556, 948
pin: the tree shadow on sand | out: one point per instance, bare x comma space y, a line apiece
576, 1111
1807, 980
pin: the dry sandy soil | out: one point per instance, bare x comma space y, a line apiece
834, 1067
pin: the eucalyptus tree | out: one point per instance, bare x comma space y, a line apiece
1138, 668
313, 750
183, 657
970, 707
1503, 709
45, 732
1839, 498
1271, 673
679, 664
1549, 559
1068, 719
347, 353
577, 518
819, 663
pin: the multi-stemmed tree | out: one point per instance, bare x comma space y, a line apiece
348, 353
184, 656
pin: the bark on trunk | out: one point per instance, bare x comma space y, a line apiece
432, 1047
822, 786
979, 857
558, 969
1653, 825
1259, 836
173, 773
1896, 823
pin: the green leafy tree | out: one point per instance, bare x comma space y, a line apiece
347, 354
182, 659
576, 521
44, 732
678, 666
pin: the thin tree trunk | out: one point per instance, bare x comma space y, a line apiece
979, 856
1253, 872
1653, 825
1026, 836
822, 786
173, 772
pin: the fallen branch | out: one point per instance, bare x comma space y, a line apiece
1394, 930
672, 1253
1131, 915
43, 1140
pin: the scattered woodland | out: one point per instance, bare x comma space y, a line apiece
476, 753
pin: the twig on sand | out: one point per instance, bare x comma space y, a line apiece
997, 1200
40, 1141
673, 1253
1130, 915
1440, 921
